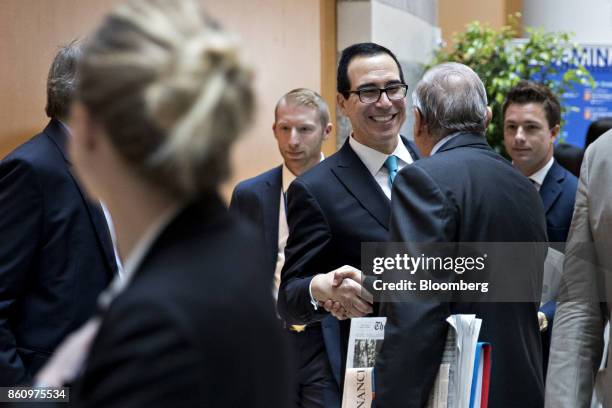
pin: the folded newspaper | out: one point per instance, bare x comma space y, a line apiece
462, 380
365, 339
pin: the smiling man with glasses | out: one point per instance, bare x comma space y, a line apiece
344, 201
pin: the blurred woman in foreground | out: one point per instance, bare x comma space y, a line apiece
162, 96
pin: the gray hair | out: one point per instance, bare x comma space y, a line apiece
61, 81
451, 98
171, 91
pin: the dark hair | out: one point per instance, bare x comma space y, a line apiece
61, 82
569, 157
596, 129
532, 92
359, 50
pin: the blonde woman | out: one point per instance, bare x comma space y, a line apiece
162, 96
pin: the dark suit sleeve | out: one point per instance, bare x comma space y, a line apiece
307, 247
415, 332
141, 359
20, 228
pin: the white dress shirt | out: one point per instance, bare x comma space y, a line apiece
375, 161
283, 228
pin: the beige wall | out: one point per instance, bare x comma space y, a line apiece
30, 31
453, 15
282, 40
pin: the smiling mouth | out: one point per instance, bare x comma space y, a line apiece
383, 118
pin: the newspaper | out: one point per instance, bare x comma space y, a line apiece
365, 340
452, 388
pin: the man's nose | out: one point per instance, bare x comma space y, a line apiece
294, 137
520, 134
384, 100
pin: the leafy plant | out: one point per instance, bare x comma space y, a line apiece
501, 61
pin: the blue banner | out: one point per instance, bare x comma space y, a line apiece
583, 103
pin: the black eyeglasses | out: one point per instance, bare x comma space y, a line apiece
394, 92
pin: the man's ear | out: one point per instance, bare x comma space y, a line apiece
418, 122
327, 131
554, 132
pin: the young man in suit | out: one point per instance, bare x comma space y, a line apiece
344, 201
301, 124
532, 120
56, 254
462, 191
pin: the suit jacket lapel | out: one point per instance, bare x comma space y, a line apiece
412, 149
551, 186
55, 131
354, 175
269, 196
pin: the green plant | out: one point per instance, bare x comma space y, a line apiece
501, 62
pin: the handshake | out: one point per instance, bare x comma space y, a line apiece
341, 292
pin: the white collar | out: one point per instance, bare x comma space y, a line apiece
375, 160
441, 142
540, 175
288, 176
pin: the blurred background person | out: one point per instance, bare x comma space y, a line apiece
301, 124
162, 96
56, 254
596, 129
569, 156
532, 121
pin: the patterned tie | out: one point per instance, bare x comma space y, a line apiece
391, 165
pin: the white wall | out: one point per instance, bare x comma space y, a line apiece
590, 20
407, 27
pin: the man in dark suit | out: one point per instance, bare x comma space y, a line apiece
301, 124
56, 254
532, 120
461, 192
344, 201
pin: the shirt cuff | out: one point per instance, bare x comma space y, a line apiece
313, 301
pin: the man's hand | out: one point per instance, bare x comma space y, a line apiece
542, 321
341, 293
